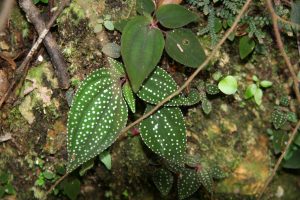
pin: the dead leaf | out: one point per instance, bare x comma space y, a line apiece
3, 83
9, 60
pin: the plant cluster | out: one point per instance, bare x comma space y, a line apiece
281, 118
6, 187
108, 93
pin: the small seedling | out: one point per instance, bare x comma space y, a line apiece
228, 85
255, 91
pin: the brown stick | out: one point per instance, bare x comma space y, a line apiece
189, 80
22, 70
57, 58
291, 138
280, 45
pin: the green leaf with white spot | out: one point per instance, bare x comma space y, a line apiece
205, 179
192, 98
174, 16
129, 97
141, 49
228, 85
246, 46
217, 173
278, 118
98, 113
250, 91
188, 183
163, 180
206, 106
212, 89
184, 47
160, 85
164, 133
117, 67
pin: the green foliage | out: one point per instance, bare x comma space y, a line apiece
163, 180
141, 49
278, 118
212, 89
6, 187
38, 1
188, 183
183, 46
99, 98
255, 89
246, 46
105, 158
228, 85
295, 12
164, 132
142, 41
160, 85
129, 97
206, 106
71, 188
174, 16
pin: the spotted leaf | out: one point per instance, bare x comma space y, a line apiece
188, 183
117, 67
164, 133
129, 97
97, 115
163, 180
206, 106
205, 179
217, 173
278, 118
160, 85
141, 48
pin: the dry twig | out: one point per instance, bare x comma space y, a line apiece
57, 58
280, 45
22, 69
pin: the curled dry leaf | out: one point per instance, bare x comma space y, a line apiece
164, 2
3, 83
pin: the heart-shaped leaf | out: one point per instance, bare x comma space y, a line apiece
174, 16
163, 180
160, 85
188, 183
246, 46
205, 179
278, 118
145, 6
97, 115
228, 85
164, 133
129, 97
184, 47
141, 48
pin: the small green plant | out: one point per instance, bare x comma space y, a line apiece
228, 85
6, 187
40, 1
255, 91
